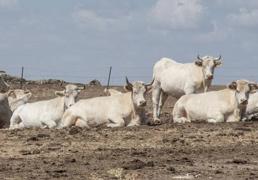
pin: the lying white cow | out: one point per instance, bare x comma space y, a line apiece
215, 106
177, 79
251, 110
117, 110
45, 113
9, 102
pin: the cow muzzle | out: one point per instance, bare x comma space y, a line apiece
210, 77
243, 102
142, 104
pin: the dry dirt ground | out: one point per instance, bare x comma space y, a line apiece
168, 151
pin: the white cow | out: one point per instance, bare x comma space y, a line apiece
45, 113
9, 102
215, 106
117, 110
111, 92
177, 79
251, 110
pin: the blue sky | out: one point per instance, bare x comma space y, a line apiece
77, 40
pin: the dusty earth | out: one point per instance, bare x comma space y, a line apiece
168, 151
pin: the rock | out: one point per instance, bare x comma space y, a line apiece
95, 83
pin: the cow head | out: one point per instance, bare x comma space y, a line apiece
18, 97
139, 90
70, 94
242, 89
208, 65
4, 87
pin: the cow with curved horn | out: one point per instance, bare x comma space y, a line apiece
177, 79
117, 110
226, 105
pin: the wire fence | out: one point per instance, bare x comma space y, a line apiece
223, 75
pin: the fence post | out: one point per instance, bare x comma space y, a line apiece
109, 76
22, 73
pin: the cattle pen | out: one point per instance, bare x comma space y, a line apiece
167, 151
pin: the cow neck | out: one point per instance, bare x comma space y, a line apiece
135, 110
204, 82
134, 107
237, 104
242, 108
63, 101
201, 72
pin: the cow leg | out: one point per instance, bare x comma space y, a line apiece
162, 100
20, 125
216, 119
179, 114
156, 92
235, 117
81, 123
189, 90
116, 122
14, 121
67, 121
49, 124
135, 122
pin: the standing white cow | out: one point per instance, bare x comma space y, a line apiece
177, 79
45, 113
9, 102
215, 106
117, 110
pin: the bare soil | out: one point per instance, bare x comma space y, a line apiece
167, 151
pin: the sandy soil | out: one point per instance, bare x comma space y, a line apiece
168, 151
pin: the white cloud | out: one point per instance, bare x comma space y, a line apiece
7, 3
87, 17
245, 18
217, 34
177, 14
237, 3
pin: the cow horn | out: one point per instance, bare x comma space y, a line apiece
128, 83
199, 58
150, 84
219, 58
81, 87
26, 91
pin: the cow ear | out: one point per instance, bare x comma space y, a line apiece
218, 63
60, 93
11, 93
128, 88
148, 88
28, 95
253, 88
233, 85
198, 62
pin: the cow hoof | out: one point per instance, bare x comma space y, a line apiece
155, 122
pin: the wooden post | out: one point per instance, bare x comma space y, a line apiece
22, 73
109, 76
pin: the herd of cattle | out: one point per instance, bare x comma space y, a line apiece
237, 102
